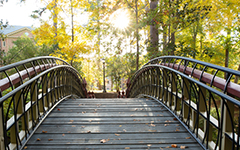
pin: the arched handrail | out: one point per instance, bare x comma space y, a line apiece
211, 115
16, 73
205, 72
35, 87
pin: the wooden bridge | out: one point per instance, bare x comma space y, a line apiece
169, 105
131, 123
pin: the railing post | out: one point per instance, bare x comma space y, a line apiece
2, 145
208, 128
158, 84
14, 130
165, 87
34, 95
148, 83
154, 84
227, 124
172, 90
185, 97
175, 100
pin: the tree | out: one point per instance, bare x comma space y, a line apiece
24, 48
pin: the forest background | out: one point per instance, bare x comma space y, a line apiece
128, 33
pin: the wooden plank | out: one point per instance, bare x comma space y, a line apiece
122, 126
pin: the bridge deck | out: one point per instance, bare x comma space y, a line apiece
111, 124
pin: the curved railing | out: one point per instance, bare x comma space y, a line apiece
204, 72
195, 97
29, 90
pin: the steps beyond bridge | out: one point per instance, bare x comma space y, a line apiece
111, 124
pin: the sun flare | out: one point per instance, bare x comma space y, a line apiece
120, 19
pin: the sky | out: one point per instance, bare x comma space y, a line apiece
17, 13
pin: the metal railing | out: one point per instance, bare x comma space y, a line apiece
29, 90
206, 104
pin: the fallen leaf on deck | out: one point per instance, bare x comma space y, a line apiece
149, 145
38, 139
174, 145
177, 130
44, 131
174, 118
166, 125
134, 120
80, 105
104, 140
25, 147
120, 125
63, 134
183, 147
83, 126
153, 125
132, 115
117, 134
58, 109
50, 139
71, 120
69, 131
88, 131
124, 130
127, 147
136, 109
188, 137
73, 126
152, 130
168, 121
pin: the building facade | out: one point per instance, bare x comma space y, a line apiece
12, 33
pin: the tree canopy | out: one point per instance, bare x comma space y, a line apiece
207, 30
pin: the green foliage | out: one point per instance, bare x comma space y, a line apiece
25, 48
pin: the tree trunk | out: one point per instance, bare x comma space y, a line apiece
72, 21
55, 23
228, 40
237, 77
172, 43
164, 39
137, 34
153, 30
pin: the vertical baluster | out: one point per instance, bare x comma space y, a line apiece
227, 125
